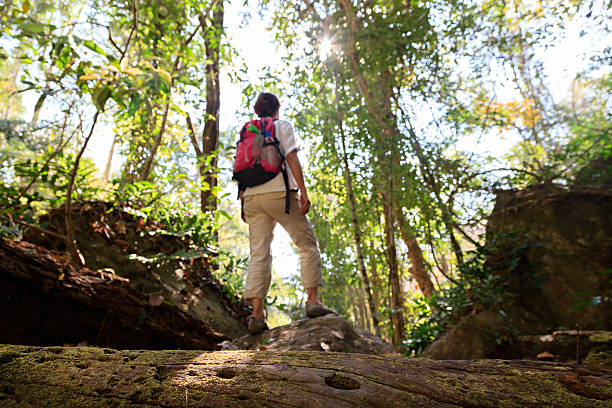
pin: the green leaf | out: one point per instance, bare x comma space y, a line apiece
134, 104
32, 28
94, 47
99, 96
165, 75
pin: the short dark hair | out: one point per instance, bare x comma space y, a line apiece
266, 104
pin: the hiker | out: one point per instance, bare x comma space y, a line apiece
279, 195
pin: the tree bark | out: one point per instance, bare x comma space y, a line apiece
397, 302
357, 310
419, 269
47, 301
147, 167
210, 137
93, 377
364, 309
109, 160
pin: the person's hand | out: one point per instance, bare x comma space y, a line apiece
241, 195
304, 203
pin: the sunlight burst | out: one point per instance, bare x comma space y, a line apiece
325, 48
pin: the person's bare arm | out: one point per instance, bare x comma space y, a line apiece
296, 169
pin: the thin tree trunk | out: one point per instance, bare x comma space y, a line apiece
71, 248
210, 136
364, 309
148, 166
430, 179
396, 304
354, 221
109, 160
385, 119
419, 269
355, 307
145, 173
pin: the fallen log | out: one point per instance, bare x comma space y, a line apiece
45, 301
95, 377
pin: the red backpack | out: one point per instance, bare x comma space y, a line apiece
258, 156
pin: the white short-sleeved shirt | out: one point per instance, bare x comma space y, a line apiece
283, 131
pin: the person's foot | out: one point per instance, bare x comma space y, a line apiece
256, 325
316, 310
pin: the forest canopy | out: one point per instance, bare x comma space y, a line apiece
412, 114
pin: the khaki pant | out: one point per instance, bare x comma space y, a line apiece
262, 212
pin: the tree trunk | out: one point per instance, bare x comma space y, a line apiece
71, 247
357, 311
109, 160
397, 303
92, 377
354, 221
380, 108
210, 136
147, 167
419, 268
47, 301
364, 309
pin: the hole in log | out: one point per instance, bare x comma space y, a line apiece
226, 372
341, 383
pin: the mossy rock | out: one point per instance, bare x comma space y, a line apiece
599, 360
601, 337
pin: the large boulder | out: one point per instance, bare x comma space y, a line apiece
562, 280
473, 337
325, 333
555, 261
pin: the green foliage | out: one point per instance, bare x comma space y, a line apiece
232, 273
482, 285
46, 177
400, 118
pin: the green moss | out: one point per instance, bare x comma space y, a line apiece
599, 360
601, 337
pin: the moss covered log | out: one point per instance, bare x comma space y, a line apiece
96, 377
46, 301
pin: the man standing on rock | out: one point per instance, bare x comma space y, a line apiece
281, 199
